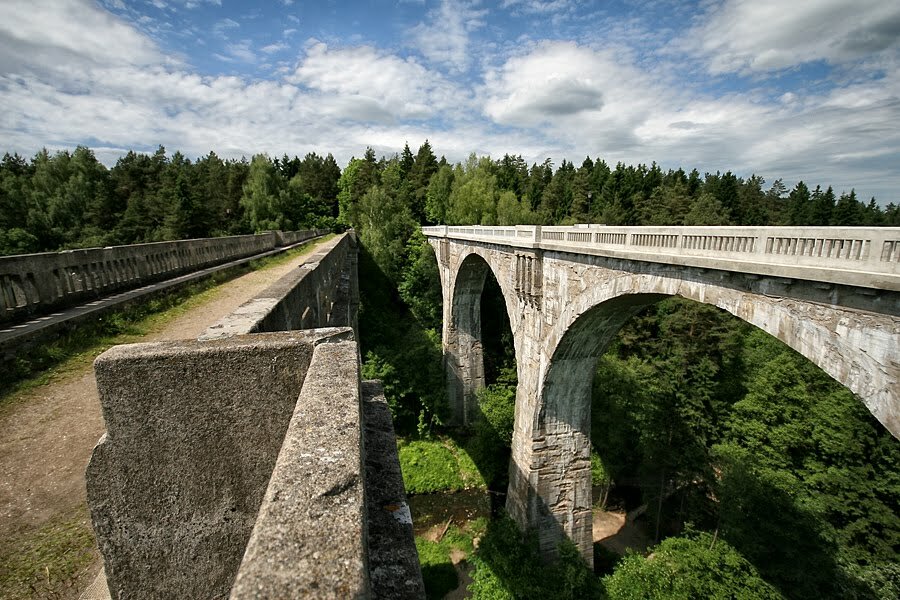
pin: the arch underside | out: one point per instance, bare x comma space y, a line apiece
857, 348
463, 349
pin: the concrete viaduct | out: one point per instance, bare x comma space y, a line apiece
832, 294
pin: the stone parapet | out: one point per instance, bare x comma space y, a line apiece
193, 432
394, 570
32, 284
255, 465
309, 539
322, 292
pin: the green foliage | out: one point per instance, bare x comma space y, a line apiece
437, 567
384, 224
437, 465
497, 403
17, 241
473, 199
805, 459
420, 284
706, 210
507, 565
750, 438
437, 197
687, 568
490, 444
409, 364
599, 473
605, 560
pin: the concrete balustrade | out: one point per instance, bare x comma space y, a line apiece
323, 292
32, 284
859, 256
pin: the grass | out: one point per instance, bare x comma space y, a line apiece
47, 563
438, 570
437, 465
77, 347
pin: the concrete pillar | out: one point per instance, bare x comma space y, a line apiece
550, 469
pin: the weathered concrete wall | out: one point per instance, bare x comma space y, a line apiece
566, 307
251, 464
309, 539
394, 570
322, 292
334, 522
38, 283
193, 431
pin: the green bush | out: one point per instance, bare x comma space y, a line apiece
508, 565
490, 442
688, 568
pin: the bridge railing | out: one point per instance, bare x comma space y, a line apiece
850, 255
32, 284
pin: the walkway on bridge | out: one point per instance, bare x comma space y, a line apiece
50, 431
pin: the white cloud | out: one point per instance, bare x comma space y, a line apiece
51, 34
539, 7
369, 85
221, 28
766, 35
273, 48
575, 90
584, 100
241, 51
71, 72
444, 40
195, 3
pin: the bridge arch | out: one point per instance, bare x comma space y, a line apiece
832, 294
560, 494
462, 330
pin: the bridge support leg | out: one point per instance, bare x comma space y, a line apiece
550, 470
465, 375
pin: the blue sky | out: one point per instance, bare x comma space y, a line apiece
807, 89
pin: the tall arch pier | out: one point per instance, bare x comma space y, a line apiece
832, 294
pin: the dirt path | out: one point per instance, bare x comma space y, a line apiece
616, 533
46, 436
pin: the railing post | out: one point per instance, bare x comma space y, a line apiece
537, 234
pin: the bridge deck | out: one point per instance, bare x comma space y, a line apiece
859, 256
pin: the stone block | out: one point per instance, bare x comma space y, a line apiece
193, 432
309, 540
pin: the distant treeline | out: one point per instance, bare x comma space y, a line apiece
70, 199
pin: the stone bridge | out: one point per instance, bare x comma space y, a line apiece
832, 294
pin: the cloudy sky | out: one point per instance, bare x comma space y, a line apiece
806, 89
